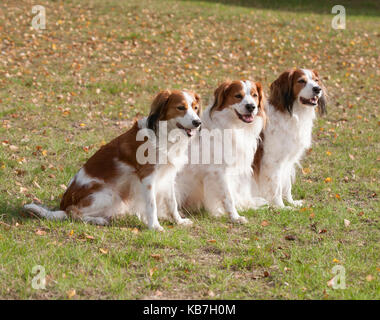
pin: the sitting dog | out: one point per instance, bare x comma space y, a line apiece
118, 179
293, 99
221, 180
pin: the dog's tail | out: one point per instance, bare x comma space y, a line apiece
45, 213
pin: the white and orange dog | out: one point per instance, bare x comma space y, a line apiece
293, 99
221, 179
118, 179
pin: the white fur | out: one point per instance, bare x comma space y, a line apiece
286, 137
150, 198
222, 187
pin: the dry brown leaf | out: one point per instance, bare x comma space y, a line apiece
156, 256
40, 232
89, 236
369, 278
135, 231
152, 271
71, 293
264, 223
103, 251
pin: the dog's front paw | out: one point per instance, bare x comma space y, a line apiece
239, 219
185, 222
296, 203
157, 227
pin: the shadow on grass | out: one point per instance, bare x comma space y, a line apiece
353, 7
11, 214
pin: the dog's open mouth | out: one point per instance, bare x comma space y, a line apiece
312, 101
189, 132
247, 118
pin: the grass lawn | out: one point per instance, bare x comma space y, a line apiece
82, 81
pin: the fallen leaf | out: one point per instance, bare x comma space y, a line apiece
40, 232
152, 271
71, 293
135, 231
89, 236
6, 225
336, 260
156, 256
290, 237
346, 222
322, 231
328, 179
211, 240
158, 293
369, 278
264, 223
103, 251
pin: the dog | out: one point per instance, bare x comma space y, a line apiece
218, 182
291, 110
119, 179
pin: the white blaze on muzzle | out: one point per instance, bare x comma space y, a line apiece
307, 93
187, 121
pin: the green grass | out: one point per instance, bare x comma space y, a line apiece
98, 65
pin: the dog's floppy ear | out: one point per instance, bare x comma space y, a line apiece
199, 102
262, 99
219, 96
281, 92
322, 100
158, 109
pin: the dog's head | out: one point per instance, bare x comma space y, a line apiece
180, 108
243, 99
300, 86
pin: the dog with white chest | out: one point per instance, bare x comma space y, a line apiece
231, 125
291, 110
116, 181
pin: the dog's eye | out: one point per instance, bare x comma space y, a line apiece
316, 80
239, 96
255, 95
302, 81
182, 108
196, 108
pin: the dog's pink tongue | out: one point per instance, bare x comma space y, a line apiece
248, 118
189, 132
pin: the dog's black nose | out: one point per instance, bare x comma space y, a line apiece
196, 123
317, 89
250, 107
